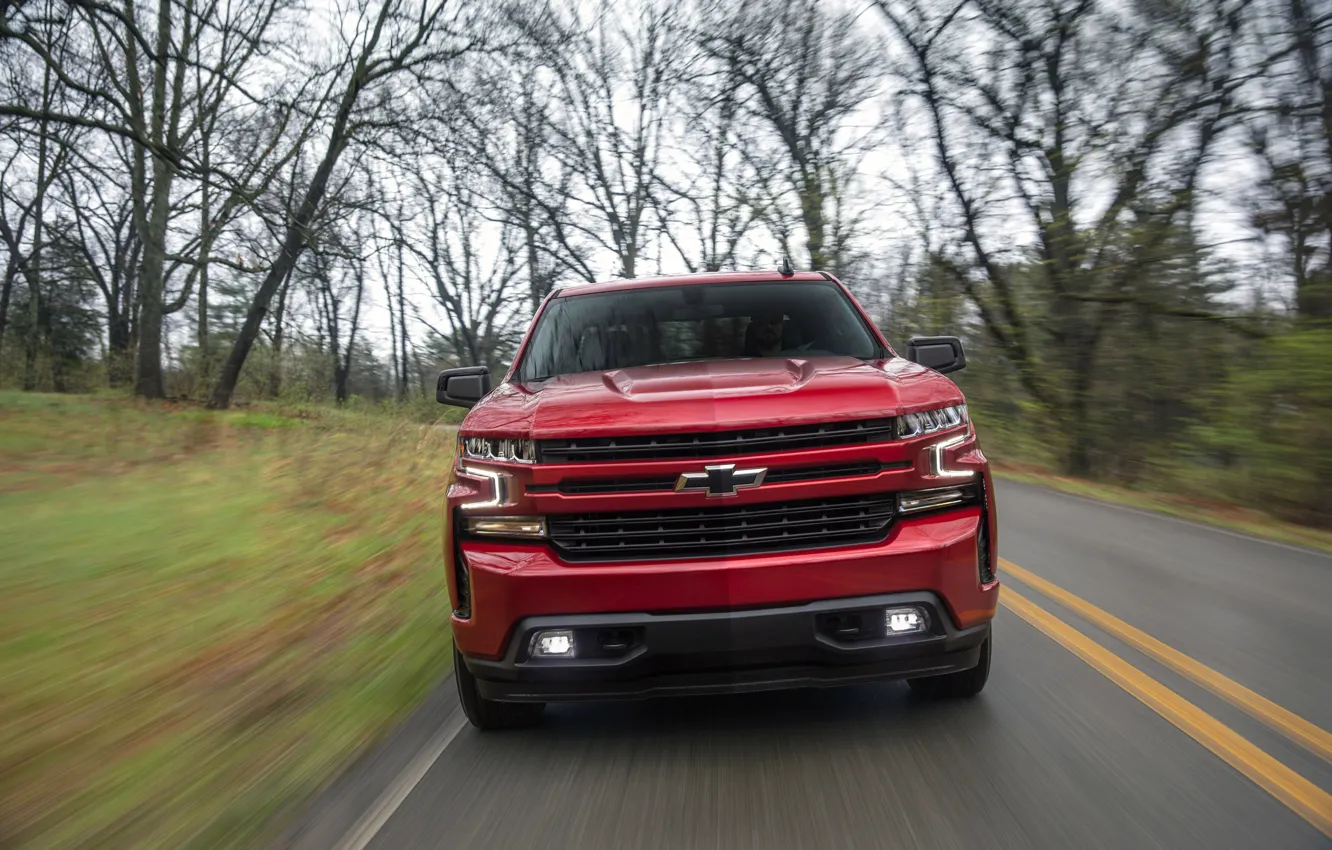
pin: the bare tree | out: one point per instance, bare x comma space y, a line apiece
811, 70
710, 208
102, 214
392, 267
159, 81
505, 124
391, 40
618, 69
1093, 133
475, 286
1292, 136
20, 210
337, 278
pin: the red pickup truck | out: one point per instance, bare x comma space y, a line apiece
714, 483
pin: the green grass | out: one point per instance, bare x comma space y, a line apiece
202, 616
1209, 512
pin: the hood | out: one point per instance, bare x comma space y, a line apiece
711, 395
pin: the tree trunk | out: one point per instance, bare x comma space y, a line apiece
534, 283
148, 367
402, 328
205, 249
1077, 411
32, 342
1313, 295
811, 211
120, 346
275, 370
355, 322
6, 291
393, 324
340, 383
330, 307
420, 373
34, 263
121, 330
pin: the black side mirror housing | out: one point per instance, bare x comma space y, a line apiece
464, 386
943, 354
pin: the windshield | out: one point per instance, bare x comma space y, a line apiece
669, 324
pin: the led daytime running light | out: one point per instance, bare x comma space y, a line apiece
499, 490
937, 450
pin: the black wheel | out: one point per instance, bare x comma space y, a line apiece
963, 683
487, 713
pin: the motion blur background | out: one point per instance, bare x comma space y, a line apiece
239, 239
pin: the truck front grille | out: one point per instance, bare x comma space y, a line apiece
717, 444
719, 532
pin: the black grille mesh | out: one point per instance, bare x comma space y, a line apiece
721, 531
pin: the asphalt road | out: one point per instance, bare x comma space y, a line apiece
1054, 753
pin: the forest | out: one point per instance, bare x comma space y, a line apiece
1124, 207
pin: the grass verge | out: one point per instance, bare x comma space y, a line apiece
1222, 514
203, 616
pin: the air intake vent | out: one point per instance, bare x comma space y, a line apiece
983, 554
462, 579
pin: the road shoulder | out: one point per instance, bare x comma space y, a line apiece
335, 811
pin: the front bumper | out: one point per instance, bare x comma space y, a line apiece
774, 648
512, 582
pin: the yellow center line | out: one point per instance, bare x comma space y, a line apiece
1294, 727
1297, 793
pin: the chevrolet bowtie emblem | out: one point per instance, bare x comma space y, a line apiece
720, 480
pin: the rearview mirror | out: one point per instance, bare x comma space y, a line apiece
941, 353
464, 386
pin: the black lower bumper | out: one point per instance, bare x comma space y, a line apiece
817, 644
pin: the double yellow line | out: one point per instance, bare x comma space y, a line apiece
1299, 794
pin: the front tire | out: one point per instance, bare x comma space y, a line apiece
962, 684
489, 714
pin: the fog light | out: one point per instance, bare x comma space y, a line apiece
924, 500
553, 643
507, 526
902, 621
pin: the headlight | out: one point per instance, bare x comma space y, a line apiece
503, 449
930, 421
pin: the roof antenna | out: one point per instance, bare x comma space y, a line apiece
785, 269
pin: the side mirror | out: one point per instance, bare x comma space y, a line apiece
463, 387
941, 353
